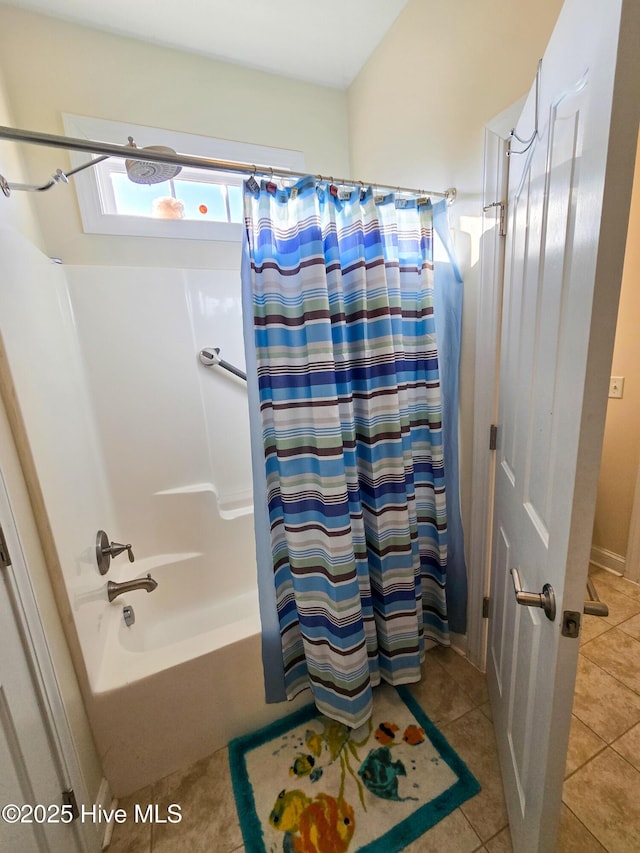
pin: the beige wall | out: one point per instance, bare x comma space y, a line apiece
16, 213
417, 112
621, 449
418, 107
95, 74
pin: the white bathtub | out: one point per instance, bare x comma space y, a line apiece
183, 680
179, 620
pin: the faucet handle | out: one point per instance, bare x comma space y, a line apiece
117, 548
105, 551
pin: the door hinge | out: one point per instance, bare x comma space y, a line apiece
493, 437
502, 225
69, 799
485, 607
5, 559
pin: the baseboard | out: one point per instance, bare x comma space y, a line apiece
104, 801
607, 560
459, 643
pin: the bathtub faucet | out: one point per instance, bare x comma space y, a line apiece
116, 589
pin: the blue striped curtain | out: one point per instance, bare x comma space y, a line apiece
347, 368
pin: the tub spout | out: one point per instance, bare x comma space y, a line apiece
116, 589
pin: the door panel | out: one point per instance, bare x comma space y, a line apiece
497, 627
16, 784
521, 697
31, 768
565, 245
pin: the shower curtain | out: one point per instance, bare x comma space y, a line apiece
350, 502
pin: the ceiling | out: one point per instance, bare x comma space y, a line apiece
320, 41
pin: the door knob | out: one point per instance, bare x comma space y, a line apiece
545, 599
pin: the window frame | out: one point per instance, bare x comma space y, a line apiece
96, 220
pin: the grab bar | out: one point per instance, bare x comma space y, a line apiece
593, 606
211, 356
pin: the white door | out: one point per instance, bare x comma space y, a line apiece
567, 224
31, 771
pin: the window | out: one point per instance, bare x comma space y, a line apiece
211, 196
196, 204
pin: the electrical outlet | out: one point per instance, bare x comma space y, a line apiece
616, 386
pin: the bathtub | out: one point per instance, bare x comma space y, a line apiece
183, 680
174, 623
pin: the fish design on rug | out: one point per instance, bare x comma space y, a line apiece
385, 733
334, 742
334, 736
413, 735
287, 810
380, 774
322, 825
302, 765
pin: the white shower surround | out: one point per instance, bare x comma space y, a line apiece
131, 434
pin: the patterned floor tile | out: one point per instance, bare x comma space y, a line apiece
472, 736
607, 707
501, 843
605, 796
592, 627
621, 607
583, 745
616, 582
631, 627
470, 679
453, 834
132, 836
618, 654
574, 837
628, 746
440, 697
210, 821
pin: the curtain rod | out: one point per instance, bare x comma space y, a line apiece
127, 152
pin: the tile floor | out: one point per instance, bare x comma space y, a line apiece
601, 800
601, 795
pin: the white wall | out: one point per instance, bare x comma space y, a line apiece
43, 357
81, 71
170, 430
417, 112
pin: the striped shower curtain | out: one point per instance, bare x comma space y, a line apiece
349, 394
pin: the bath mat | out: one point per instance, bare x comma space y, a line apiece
307, 784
